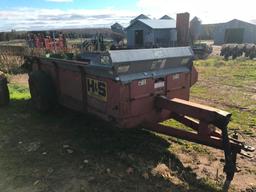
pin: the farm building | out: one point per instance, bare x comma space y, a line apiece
166, 17
117, 28
147, 33
141, 16
234, 31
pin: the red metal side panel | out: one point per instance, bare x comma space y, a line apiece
70, 88
141, 95
124, 104
142, 106
70, 84
114, 98
107, 105
49, 68
141, 88
178, 86
194, 76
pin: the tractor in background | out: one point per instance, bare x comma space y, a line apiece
201, 50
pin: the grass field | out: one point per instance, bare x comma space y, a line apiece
67, 151
230, 85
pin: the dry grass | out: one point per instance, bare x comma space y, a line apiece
10, 63
12, 57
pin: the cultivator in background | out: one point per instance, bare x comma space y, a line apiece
132, 88
95, 44
238, 50
51, 41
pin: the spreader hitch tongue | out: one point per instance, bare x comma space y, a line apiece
209, 125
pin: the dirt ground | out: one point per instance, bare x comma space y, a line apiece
68, 152
211, 164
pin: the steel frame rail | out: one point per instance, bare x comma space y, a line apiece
209, 128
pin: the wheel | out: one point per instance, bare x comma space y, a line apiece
4, 92
42, 90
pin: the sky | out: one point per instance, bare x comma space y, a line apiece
59, 14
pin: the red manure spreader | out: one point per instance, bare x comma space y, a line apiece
136, 88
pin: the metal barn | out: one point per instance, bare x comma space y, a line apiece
147, 33
234, 31
117, 28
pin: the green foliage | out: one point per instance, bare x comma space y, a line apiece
18, 92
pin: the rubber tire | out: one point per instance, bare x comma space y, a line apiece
42, 90
4, 93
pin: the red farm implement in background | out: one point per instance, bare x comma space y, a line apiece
50, 41
136, 88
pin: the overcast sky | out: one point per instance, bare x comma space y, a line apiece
53, 14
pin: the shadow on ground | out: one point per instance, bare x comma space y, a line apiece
68, 151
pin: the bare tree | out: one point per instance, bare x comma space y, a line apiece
10, 59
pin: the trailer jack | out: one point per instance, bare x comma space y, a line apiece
209, 127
